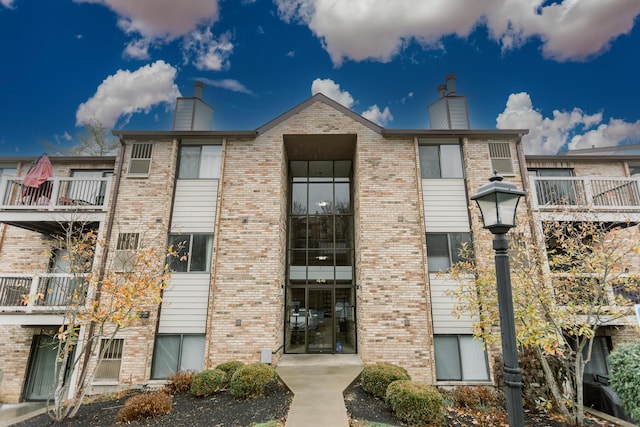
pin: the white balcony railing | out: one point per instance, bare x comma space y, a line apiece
599, 193
37, 292
55, 194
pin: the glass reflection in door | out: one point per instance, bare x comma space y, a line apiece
295, 329
320, 321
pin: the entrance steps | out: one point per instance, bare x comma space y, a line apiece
317, 382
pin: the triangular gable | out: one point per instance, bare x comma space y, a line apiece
318, 97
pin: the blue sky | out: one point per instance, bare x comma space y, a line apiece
568, 70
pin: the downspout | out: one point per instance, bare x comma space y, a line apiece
105, 254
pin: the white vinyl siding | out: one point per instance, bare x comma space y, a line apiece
184, 304
445, 205
194, 207
444, 322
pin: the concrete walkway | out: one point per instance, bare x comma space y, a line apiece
11, 414
317, 382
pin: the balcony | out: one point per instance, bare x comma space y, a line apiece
595, 193
33, 293
59, 194
58, 200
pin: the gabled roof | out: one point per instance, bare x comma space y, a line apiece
318, 97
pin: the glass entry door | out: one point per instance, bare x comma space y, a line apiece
320, 320
320, 333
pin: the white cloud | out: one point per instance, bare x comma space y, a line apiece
229, 84
379, 29
332, 90
161, 19
374, 114
7, 3
152, 23
565, 129
127, 92
207, 52
137, 49
607, 134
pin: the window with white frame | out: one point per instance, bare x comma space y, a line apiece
199, 161
193, 252
177, 352
460, 358
124, 258
500, 153
634, 169
140, 163
110, 359
440, 161
443, 249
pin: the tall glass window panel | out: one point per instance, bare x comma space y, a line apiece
320, 198
320, 232
344, 232
429, 161
298, 265
299, 170
321, 265
342, 170
321, 170
189, 162
473, 359
344, 264
451, 161
447, 358
299, 199
343, 198
298, 232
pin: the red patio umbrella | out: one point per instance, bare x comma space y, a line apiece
35, 180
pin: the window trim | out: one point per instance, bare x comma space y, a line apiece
154, 361
460, 360
200, 164
189, 250
452, 257
439, 146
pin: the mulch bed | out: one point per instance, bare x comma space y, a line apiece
219, 410
367, 410
223, 410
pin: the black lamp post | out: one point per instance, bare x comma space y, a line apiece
498, 201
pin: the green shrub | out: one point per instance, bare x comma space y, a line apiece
624, 365
250, 380
415, 403
179, 382
145, 405
377, 377
208, 382
230, 368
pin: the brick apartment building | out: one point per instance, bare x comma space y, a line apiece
318, 232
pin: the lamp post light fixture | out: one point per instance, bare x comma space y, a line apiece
498, 201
